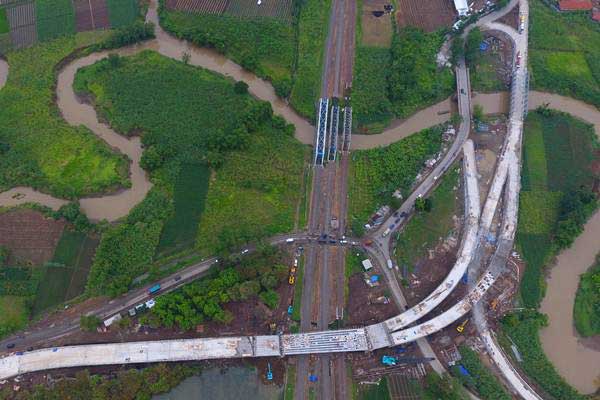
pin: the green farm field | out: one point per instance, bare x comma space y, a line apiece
558, 151
4, 27
564, 53
66, 275
122, 12
189, 195
45, 152
425, 228
54, 18
219, 182
14, 314
375, 174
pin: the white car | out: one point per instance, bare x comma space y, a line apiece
289, 240
245, 251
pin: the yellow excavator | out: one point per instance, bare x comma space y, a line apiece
461, 327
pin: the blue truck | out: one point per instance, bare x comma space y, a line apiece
154, 289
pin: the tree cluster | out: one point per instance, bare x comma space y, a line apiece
575, 209
202, 300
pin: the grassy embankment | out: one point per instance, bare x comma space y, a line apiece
375, 174
288, 54
564, 53
254, 182
39, 149
425, 229
480, 379
396, 76
555, 202
586, 310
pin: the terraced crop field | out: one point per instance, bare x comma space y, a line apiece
90, 15
21, 19
280, 9
198, 6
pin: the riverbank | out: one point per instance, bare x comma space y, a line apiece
574, 357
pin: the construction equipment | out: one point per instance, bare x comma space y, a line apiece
494, 304
461, 327
269, 372
292, 279
389, 361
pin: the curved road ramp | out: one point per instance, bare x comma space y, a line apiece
349, 340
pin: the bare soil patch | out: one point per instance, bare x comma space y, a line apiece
376, 30
364, 308
30, 236
428, 15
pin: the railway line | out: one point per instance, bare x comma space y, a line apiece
389, 333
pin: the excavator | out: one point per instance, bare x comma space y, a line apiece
461, 327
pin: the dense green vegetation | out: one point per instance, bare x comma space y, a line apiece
18, 286
443, 387
564, 53
371, 106
480, 379
414, 79
257, 274
290, 56
65, 276
523, 329
398, 81
128, 384
556, 197
264, 46
256, 163
312, 31
14, 314
127, 250
375, 174
425, 228
586, 311
54, 18
37, 147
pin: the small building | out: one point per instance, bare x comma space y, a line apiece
462, 8
367, 264
575, 5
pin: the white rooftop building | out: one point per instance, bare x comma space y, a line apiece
462, 8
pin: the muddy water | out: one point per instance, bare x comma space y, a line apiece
434, 115
578, 364
3, 72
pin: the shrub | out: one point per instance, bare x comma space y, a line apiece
240, 87
89, 323
134, 33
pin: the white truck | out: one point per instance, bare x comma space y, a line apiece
386, 232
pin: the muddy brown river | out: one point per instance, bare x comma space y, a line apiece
577, 362
573, 360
